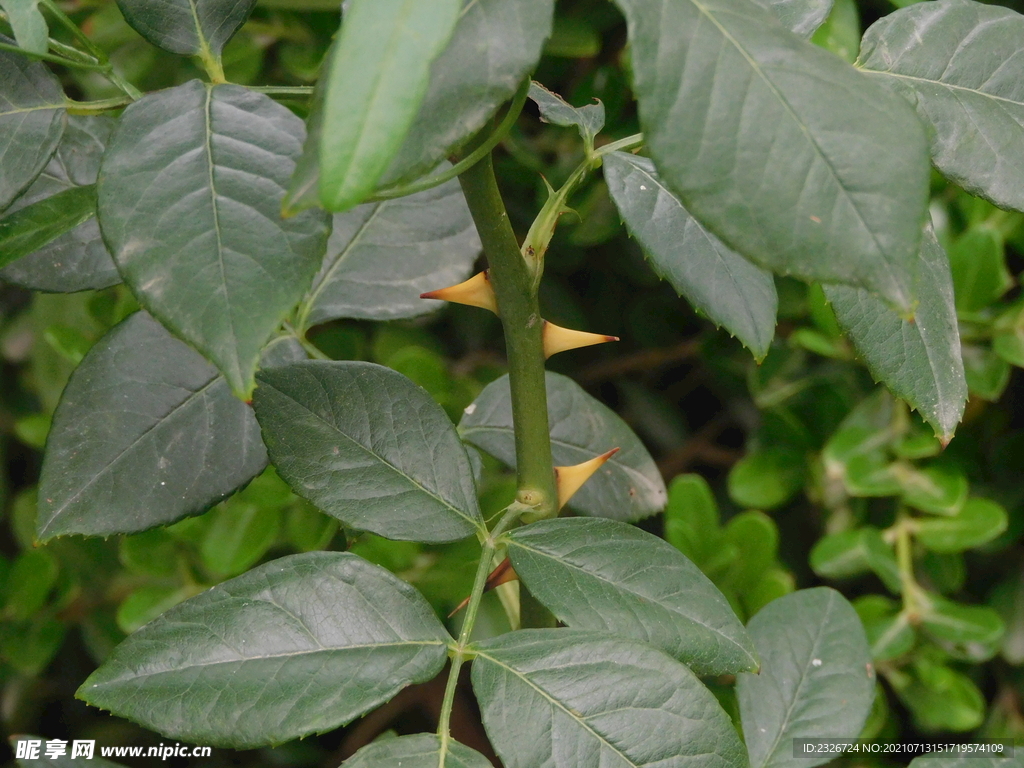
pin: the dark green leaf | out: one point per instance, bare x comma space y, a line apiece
368, 447
801, 16
495, 45
39, 224
297, 646
986, 372
422, 750
589, 119
977, 522
32, 120
244, 527
579, 699
606, 575
919, 361
627, 487
958, 63
720, 283
146, 433
378, 78
691, 518
939, 698
382, 256
28, 24
816, 678
189, 199
188, 27
756, 539
791, 190
77, 260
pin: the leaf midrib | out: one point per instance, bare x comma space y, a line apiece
643, 598
941, 83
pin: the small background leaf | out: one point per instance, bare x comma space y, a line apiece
188, 27
28, 23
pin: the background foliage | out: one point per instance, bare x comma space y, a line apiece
798, 471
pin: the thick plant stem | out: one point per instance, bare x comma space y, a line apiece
515, 287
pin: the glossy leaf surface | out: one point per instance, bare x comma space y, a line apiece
188, 27
606, 575
959, 64
368, 447
816, 678
919, 361
723, 285
627, 487
147, 432
382, 256
577, 699
801, 16
32, 120
495, 45
189, 201
792, 189
421, 750
297, 646
378, 77
76, 260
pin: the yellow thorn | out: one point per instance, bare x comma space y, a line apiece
558, 339
476, 292
570, 479
503, 574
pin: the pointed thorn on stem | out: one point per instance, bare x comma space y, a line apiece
476, 292
503, 574
558, 339
571, 479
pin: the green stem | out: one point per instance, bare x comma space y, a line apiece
465, 163
97, 107
630, 142
283, 90
913, 595
460, 652
74, 29
53, 59
518, 306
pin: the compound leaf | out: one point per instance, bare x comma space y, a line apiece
188, 27
297, 646
586, 572
578, 699
378, 77
32, 120
723, 285
189, 202
816, 678
961, 65
147, 432
919, 361
793, 189
421, 750
382, 256
627, 487
368, 447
